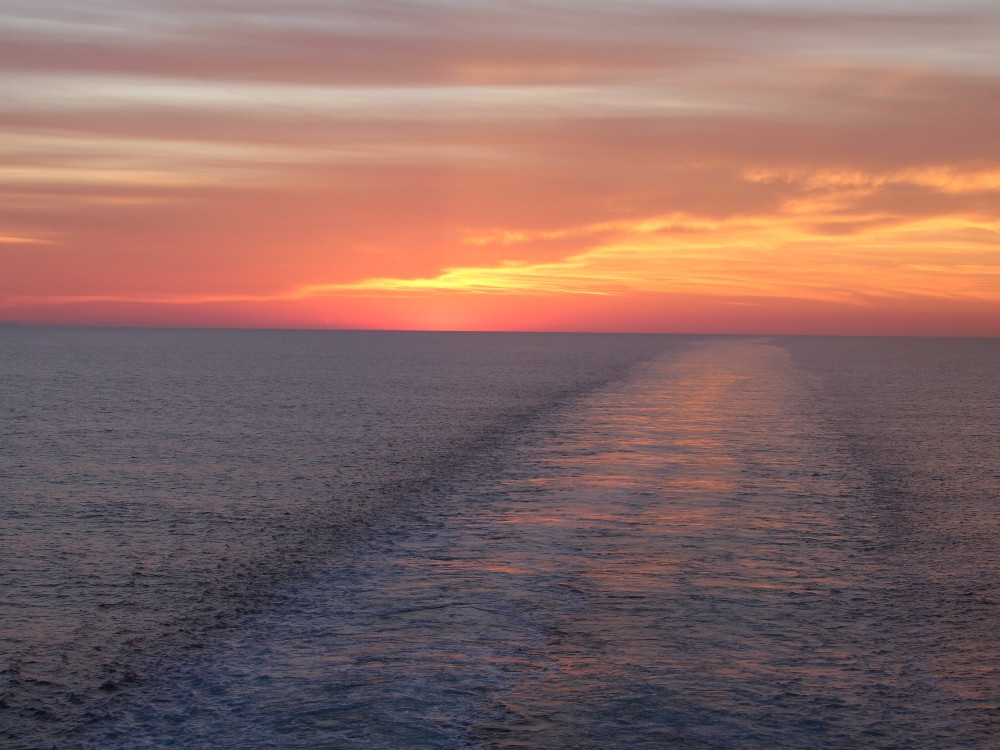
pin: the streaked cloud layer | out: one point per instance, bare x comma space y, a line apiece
717, 166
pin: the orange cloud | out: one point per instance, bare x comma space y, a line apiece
395, 164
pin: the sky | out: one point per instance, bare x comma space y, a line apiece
722, 166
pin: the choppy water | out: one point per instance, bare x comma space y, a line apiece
403, 540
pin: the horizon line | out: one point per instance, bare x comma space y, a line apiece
19, 324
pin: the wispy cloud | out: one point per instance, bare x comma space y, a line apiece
241, 152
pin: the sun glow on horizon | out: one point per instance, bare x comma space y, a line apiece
667, 166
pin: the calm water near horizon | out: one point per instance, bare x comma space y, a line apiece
268, 539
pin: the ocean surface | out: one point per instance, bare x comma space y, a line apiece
276, 539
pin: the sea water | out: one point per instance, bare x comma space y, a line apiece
278, 539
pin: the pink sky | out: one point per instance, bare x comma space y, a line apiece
653, 166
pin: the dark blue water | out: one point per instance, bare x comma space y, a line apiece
250, 539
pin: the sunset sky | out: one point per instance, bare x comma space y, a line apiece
770, 166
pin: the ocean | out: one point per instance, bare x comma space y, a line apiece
281, 539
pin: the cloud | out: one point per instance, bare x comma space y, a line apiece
234, 151
396, 43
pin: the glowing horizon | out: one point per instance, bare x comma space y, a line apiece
744, 166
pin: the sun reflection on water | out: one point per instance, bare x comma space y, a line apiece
691, 568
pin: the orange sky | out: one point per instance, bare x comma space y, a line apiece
714, 166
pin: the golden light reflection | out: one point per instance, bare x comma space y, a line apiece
567, 277
8, 239
740, 258
945, 178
